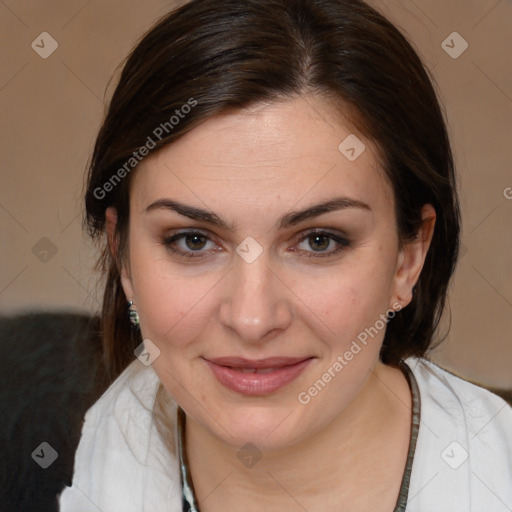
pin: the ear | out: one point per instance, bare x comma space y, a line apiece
113, 242
412, 257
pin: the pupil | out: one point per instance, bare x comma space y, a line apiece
194, 237
321, 237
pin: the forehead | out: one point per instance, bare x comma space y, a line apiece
287, 151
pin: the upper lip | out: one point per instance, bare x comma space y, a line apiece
270, 362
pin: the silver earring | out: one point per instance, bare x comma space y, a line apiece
134, 316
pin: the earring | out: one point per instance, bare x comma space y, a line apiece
134, 316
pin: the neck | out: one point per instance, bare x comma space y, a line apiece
332, 465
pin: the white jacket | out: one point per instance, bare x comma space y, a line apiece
462, 461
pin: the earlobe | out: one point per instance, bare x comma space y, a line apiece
412, 256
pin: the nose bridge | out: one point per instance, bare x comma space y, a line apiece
257, 301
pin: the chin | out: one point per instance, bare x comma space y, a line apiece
267, 426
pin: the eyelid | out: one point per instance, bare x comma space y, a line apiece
336, 233
340, 238
178, 235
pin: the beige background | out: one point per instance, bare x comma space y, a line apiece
51, 110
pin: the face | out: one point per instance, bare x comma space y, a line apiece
233, 264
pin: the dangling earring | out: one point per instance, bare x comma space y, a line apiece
134, 316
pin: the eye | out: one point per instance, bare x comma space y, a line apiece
188, 244
192, 244
321, 240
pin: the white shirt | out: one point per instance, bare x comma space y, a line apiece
462, 461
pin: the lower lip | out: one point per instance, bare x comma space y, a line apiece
257, 384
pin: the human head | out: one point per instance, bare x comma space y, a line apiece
217, 57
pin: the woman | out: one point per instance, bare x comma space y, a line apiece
277, 188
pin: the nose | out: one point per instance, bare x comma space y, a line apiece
257, 302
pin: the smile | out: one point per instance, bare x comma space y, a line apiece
257, 378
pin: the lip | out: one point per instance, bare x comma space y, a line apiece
277, 372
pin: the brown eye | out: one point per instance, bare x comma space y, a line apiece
188, 244
195, 241
320, 241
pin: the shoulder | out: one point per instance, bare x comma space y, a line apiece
121, 462
463, 457
455, 398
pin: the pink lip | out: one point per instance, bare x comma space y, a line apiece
228, 371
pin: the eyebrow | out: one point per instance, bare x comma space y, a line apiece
290, 219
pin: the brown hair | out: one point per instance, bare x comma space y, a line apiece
230, 54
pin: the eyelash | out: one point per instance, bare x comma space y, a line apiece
343, 243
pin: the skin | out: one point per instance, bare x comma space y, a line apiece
349, 444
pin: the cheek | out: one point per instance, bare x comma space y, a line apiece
178, 305
347, 301
173, 303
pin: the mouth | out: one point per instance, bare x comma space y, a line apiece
257, 377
